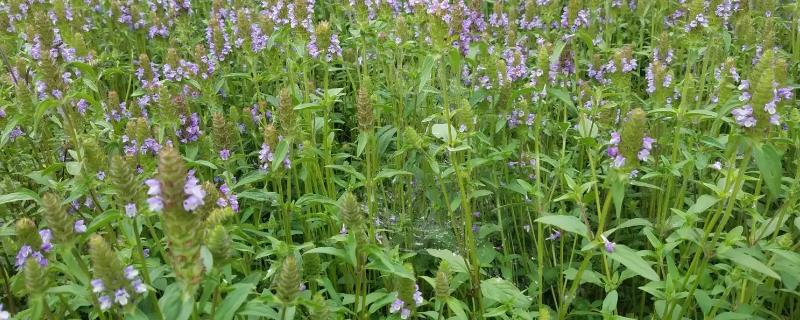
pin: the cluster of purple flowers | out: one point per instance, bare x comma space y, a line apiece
131, 146
513, 120
744, 114
184, 70
647, 146
581, 19
15, 133
26, 251
613, 150
190, 128
227, 198
120, 295
726, 9
699, 20
265, 157
400, 305
657, 66
193, 190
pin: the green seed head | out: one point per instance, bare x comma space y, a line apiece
27, 233
364, 110
219, 243
288, 280
57, 219
36, 280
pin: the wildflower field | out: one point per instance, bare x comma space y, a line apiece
399, 159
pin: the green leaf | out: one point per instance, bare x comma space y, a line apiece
455, 306
439, 130
173, 306
703, 203
383, 263
280, 154
561, 95
455, 261
328, 250
566, 223
744, 260
505, 292
630, 259
234, 300
388, 173
424, 76
610, 302
22, 195
769, 163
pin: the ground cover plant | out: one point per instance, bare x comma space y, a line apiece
399, 159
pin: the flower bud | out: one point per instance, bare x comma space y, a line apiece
122, 176
27, 233
36, 281
57, 219
288, 280
286, 119
364, 110
319, 308
219, 243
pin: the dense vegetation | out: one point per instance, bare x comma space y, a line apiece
399, 159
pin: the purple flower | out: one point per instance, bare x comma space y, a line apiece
138, 286
80, 226
619, 161
224, 154
146, 252
46, 236
130, 210
555, 235
82, 105
647, 142
405, 313
194, 192
155, 202
105, 303
15, 133
716, 166
615, 138
418, 296
101, 175
396, 306
744, 116
97, 285
265, 156
22, 255
131, 273
121, 296
608, 244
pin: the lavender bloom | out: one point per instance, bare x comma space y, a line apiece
82, 105
396, 306
554, 236
138, 286
15, 133
131, 273
46, 236
101, 175
39, 257
97, 286
619, 161
190, 130
405, 313
716, 166
744, 116
334, 48
154, 201
194, 192
22, 255
224, 154
265, 156
105, 303
80, 226
418, 296
121, 296
608, 244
